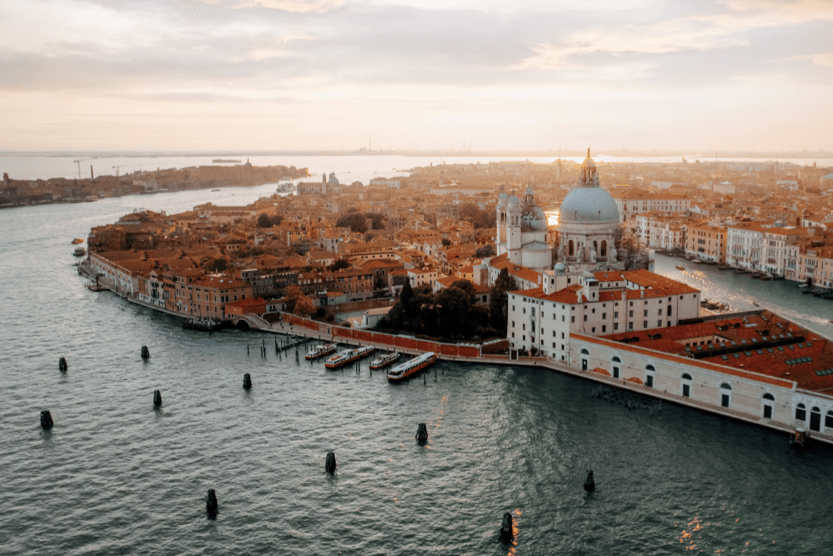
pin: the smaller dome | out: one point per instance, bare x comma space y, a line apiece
560, 268
529, 190
513, 200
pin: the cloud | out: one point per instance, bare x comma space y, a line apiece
301, 6
503, 60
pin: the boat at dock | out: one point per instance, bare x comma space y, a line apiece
680, 267
206, 325
79, 252
285, 185
384, 361
407, 369
348, 356
320, 351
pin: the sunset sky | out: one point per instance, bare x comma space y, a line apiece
186, 75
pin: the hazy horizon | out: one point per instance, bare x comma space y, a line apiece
326, 75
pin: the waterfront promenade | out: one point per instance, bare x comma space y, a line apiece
292, 325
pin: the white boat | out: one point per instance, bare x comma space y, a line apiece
320, 351
80, 252
348, 356
384, 361
285, 185
412, 367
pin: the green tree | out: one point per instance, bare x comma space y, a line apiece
264, 221
340, 264
355, 221
498, 301
217, 265
407, 295
466, 286
453, 308
485, 251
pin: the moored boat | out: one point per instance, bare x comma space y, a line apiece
680, 267
204, 324
384, 361
320, 351
80, 252
407, 369
77, 240
348, 356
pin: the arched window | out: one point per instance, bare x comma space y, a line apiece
585, 352
815, 419
571, 248
616, 361
725, 394
649, 376
603, 252
768, 406
686, 385
585, 359
828, 420
800, 412
596, 246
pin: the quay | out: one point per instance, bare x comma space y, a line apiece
739, 393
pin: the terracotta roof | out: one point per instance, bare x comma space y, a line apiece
809, 353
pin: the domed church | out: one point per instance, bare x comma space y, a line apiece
588, 223
587, 227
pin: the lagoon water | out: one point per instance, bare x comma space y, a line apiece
115, 476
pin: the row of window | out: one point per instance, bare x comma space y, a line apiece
725, 391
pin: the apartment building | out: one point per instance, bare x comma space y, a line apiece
708, 243
598, 303
633, 202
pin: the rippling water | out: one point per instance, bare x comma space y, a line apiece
115, 476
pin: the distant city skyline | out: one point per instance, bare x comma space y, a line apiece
329, 75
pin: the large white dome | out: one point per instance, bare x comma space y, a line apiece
588, 204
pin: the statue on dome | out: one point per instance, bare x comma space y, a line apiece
592, 255
561, 251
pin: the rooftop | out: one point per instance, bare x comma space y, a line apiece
760, 342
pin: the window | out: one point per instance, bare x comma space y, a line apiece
604, 315
659, 312
645, 313
828, 420
616, 362
725, 394
616, 314
630, 313
644, 324
815, 420
585, 318
604, 328
649, 381
574, 319
800, 412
